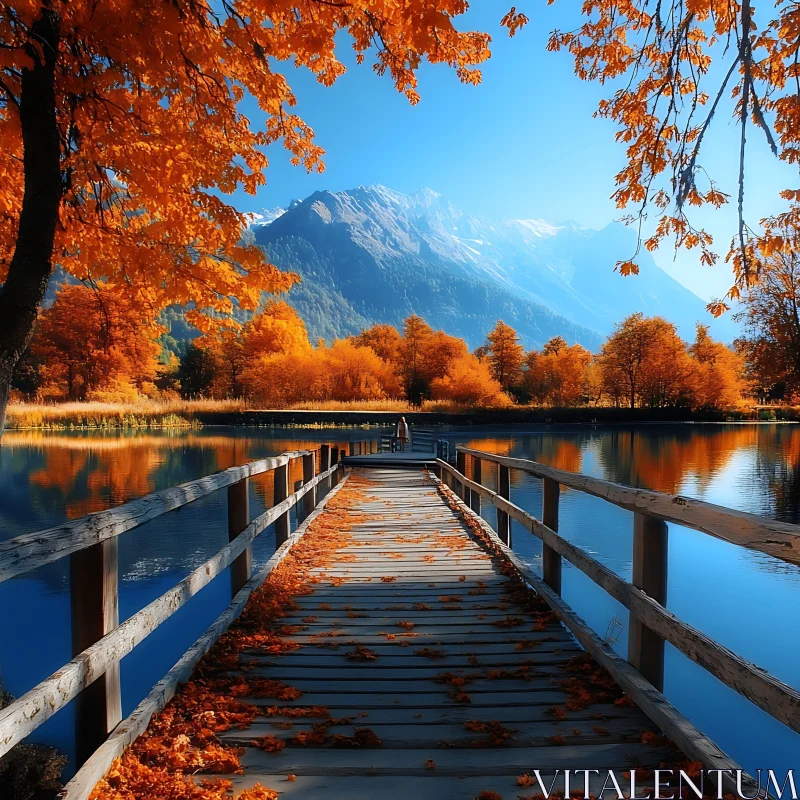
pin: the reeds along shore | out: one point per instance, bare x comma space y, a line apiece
194, 413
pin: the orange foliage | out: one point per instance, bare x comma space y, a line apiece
504, 354
645, 363
91, 340
149, 129
559, 375
662, 59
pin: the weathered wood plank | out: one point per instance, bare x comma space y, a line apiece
414, 735
455, 762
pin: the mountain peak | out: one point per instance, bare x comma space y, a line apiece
562, 266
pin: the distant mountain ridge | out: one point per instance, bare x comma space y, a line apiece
372, 254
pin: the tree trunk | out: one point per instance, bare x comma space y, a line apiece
31, 265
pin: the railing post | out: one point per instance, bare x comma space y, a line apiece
93, 578
309, 499
475, 497
325, 456
333, 458
551, 560
238, 520
646, 648
461, 466
504, 490
351, 448
280, 493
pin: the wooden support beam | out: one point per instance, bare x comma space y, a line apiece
475, 497
280, 493
551, 560
309, 500
461, 466
238, 520
93, 581
333, 459
504, 490
645, 647
326, 457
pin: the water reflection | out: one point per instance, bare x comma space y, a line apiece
745, 600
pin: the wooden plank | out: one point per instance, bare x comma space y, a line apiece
84, 781
451, 762
645, 646
325, 664
680, 730
33, 550
238, 520
310, 500
485, 700
504, 490
778, 539
454, 735
431, 786
26, 713
280, 491
459, 714
475, 497
94, 606
551, 559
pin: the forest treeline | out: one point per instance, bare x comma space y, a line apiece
90, 345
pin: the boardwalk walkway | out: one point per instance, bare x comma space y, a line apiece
437, 674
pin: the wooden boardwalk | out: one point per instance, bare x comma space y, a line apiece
442, 678
394, 645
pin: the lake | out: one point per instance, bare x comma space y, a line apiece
747, 601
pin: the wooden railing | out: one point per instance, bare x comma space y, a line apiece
362, 447
99, 642
651, 624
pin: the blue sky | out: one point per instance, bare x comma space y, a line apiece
522, 144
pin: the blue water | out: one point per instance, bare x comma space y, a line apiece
745, 600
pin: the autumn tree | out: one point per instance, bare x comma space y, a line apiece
469, 382
681, 66
718, 372
355, 373
89, 339
771, 320
622, 358
384, 340
505, 354
644, 362
416, 336
559, 375
123, 131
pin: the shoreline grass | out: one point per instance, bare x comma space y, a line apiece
102, 415
182, 414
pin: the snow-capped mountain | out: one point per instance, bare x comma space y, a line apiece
372, 254
265, 216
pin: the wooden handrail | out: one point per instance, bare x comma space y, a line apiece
778, 539
767, 692
33, 550
98, 641
24, 715
679, 729
84, 781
